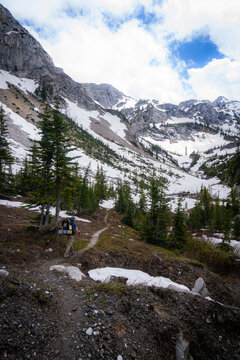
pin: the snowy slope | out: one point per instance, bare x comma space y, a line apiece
26, 85
114, 133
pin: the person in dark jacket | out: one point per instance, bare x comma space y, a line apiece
70, 238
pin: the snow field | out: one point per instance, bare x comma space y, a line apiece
23, 124
26, 85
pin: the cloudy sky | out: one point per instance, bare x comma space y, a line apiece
169, 50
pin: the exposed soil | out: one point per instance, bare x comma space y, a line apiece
46, 315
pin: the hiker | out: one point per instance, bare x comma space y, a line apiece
70, 238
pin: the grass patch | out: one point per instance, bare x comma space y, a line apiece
79, 245
125, 239
116, 288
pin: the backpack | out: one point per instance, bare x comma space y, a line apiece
67, 227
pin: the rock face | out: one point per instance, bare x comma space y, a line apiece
104, 94
28, 59
23, 56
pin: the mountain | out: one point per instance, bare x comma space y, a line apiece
128, 138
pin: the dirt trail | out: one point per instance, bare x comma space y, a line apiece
94, 238
72, 303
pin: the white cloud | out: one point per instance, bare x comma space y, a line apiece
89, 51
218, 18
122, 58
217, 77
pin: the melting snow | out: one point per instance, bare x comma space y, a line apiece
107, 204
199, 143
23, 124
23, 83
72, 271
135, 277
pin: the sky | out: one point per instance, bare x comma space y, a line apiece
170, 50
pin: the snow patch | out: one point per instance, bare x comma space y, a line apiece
23, 124
72, 271
107, 204
135, 277
26, 85
4, 272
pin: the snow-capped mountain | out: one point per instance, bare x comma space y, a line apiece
128, 138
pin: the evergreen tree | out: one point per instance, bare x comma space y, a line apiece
50, 165
235, 201
154, 228
236, 227
62, 163
218, 219
6, 159
205, 203
120, 203
128, 218
100, 188
179, 232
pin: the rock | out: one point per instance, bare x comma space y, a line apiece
4, 272
200, 287
182, 348
89, 331
109, 311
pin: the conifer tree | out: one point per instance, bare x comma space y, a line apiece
100, 185
154, 228
50, 165
120, 203
179, 232
236, 227
6, 159
62, 163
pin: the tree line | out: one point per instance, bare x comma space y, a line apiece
152, 217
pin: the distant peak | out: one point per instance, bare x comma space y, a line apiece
220, 100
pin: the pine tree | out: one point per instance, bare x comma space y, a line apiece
100, 188
62, 164
6, 159
50, 165
154, 228
218, 220
120, 203
236, 227
179, 232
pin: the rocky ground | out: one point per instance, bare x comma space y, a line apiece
46, 315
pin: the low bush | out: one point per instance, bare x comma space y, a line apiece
215, 257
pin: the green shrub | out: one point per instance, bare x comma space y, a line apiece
214, 256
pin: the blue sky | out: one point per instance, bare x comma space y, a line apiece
197, 52
171, 50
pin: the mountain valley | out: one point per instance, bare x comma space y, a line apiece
177, 165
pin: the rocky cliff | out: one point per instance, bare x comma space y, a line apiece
23, 56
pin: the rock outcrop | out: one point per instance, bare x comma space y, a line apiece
23, 56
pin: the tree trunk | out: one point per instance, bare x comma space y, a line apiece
56, 218
47, 214
42, 217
